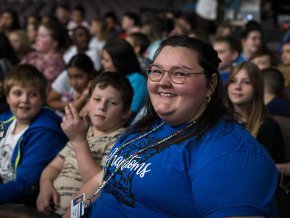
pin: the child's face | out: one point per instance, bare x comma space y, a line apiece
15, 41
225, 54
106, 109
253, 42
77, 16
95, 27
81, 39
285, 55
240, 89
107, 62
78, 79
24, 102
31, 32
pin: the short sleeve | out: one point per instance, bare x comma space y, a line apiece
65, 151
61, 84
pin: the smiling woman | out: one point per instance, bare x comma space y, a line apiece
187, 157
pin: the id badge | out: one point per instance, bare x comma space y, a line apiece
78, 206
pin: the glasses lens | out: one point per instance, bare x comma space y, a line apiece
178, 75
155, 73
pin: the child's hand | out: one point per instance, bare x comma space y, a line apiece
73, 125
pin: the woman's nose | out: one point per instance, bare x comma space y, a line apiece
238, 85
165, 80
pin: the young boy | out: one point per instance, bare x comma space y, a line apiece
30, 135
251, 40
264, 59
109, 103
228, 48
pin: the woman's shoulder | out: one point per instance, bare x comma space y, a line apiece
227, 141
229, 137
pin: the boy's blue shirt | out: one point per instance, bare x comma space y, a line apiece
40, 143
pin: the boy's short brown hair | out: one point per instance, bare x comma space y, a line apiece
25, 75
117, 81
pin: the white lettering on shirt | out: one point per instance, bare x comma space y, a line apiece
131, 164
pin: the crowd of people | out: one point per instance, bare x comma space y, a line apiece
142, 118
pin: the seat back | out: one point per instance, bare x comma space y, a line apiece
284, 124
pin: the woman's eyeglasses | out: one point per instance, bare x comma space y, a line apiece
176, 74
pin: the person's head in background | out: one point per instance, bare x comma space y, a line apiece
183, 25
99, 29
78, 14
51, 37
112, 22
110, 97
264, 58
201, 61
130, 22
80, 70
62, 13
223, 29
119, 56
154, 29
245, 95
81, 38
31, 32
19, 42
9, 21
228, 49
139, 41
273, 84
251, 39
285, 54
7, 53
25, 90
33, 19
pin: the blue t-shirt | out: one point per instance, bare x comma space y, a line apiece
227, 173
138, 83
